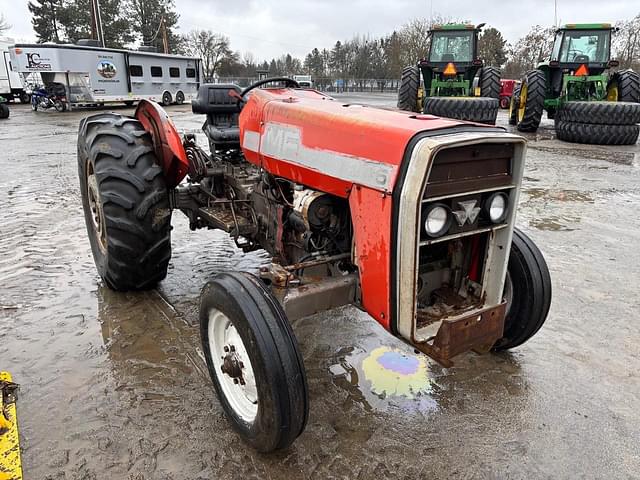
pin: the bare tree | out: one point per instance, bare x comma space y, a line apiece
212, 47
627, 43
4, 25
534, 47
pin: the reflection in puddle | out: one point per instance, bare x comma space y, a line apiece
561, 195
384, 377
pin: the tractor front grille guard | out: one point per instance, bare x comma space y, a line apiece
458, 173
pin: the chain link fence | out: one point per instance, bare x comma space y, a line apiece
364, 85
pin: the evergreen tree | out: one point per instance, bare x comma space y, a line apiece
75, 18
46, 19
146, 17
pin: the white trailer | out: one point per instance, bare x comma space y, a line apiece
95, 75
11, 83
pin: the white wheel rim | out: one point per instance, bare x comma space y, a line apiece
225, 343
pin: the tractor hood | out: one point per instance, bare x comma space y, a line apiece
327, 144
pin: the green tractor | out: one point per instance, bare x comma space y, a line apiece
4, 108
587, 100
456, 84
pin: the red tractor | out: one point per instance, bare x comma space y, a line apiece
506, 92
410, 217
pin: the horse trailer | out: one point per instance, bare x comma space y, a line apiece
96, 76
11, 83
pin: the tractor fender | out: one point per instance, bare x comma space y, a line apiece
167, 142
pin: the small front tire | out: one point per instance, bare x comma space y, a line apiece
254, 361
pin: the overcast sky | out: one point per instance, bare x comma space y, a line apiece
269, 28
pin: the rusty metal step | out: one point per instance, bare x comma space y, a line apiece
220, 216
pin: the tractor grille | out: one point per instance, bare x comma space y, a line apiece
470, 168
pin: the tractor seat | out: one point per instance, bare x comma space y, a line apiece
222, 112
447, 57
581, 59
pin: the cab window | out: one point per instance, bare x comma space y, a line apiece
451, 47
584, 46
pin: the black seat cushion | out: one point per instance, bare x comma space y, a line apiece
214, 98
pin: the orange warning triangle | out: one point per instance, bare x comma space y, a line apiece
582, 71
450, 69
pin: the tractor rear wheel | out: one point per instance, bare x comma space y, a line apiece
254, 361
408, 91
4, 111
490, 82
513, 106
527, 291
597, 134
531, 101
472, 109
125, 200
605, 113
624, 87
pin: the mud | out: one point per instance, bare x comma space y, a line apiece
114, 385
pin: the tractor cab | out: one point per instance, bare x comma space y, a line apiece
581, 54
452, 61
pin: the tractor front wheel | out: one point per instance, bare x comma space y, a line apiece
527, 291
253, 360
125, 200
490, 82
513, 106
408, 91
472, 109
531, 101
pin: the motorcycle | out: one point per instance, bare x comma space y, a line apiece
53, 96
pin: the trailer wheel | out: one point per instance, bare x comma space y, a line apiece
472, 109
408, 91
179, 98
4, 111
527, 292
254, 361
125, 201
490, 82
166, 99
597, 134
531, 101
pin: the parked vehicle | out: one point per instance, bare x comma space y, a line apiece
4, 108
457, 84
506, 91
11, 82
51, 96
412, 221
96, 76
304, 81
580, 91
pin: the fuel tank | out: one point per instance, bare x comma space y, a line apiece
326, 144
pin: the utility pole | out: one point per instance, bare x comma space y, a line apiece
96, 22
165, 37
555, 13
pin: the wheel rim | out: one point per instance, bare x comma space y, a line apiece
507, 294
612, 93
232, 366
95, 206
522, 103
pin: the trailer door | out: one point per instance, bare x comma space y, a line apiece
5, 86
15, 82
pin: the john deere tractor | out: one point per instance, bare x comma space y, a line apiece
4, 108
589, 102
456, 84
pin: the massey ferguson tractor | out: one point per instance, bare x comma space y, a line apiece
457, 84
588, 102
409, 217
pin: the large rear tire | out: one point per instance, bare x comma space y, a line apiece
597, 134
605, 113
624, 87
125, 200
531, 101
4, 111
527, 292
490, 82
408, 91
472, 109
253, 360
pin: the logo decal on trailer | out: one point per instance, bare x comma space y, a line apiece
107, 69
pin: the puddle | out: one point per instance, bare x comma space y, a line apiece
384, 377
560, 195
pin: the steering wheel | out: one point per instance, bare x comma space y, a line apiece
288, 82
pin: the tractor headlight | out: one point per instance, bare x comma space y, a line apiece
496, 207
437, 219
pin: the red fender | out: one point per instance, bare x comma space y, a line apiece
166, 141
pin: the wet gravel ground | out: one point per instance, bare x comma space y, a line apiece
114, 386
